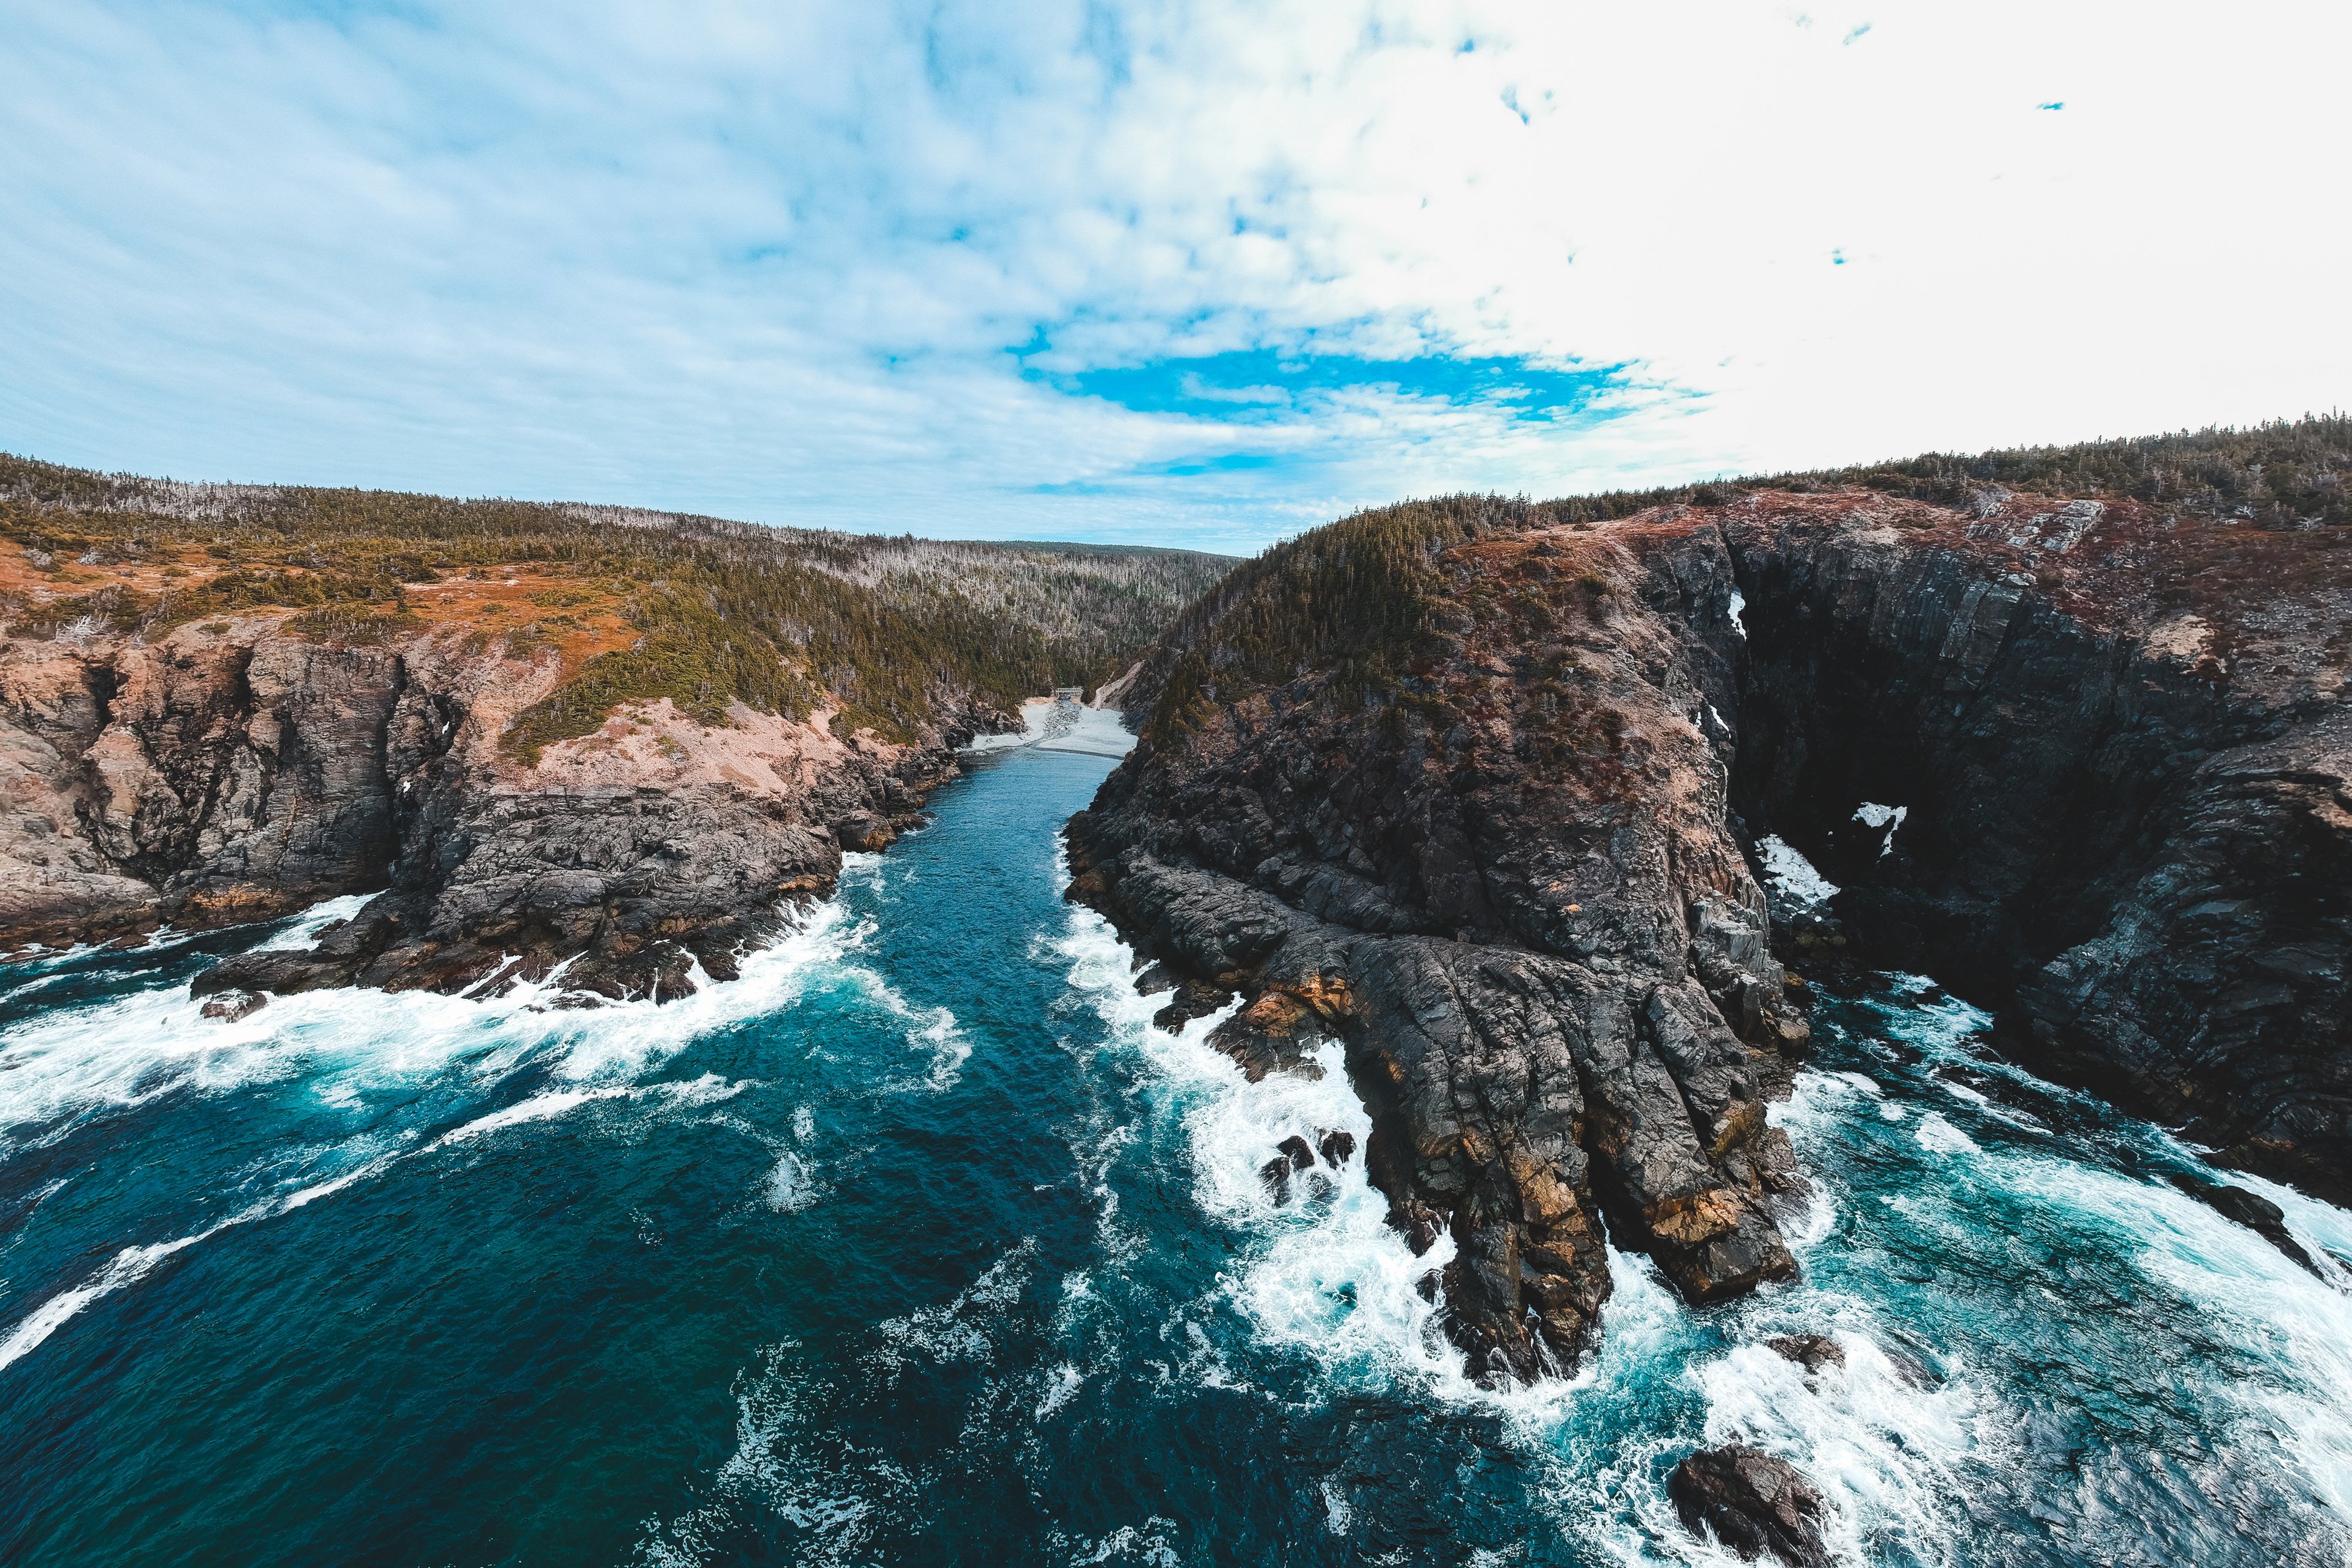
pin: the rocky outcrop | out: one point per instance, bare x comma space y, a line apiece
1490, 820
1516, 906
241, 771
1810, 1351
1752, 1502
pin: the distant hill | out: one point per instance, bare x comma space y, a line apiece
640, 604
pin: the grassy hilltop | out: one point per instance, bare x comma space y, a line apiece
638, 605
1358, 598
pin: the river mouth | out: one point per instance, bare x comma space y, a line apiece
917, 1244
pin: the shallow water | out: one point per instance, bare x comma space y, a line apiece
916, 1245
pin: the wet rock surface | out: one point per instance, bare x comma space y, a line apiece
2255, 1212
2126, 763
1810, 1351
1755, 1504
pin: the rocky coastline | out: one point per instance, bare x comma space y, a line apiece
2086, 762
240, 770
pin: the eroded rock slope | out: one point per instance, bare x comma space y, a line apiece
242, 771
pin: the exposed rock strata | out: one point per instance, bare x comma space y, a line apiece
1512, 875
240, 773
2126, 761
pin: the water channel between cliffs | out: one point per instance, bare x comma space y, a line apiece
918, 1245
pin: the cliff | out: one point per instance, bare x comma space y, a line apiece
1478, 789
618, 743
210, 776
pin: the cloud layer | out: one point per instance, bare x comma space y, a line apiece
1203, 272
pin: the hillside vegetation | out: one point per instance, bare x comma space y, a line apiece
1359, 600
638, 605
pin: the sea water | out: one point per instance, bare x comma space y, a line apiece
918, 1244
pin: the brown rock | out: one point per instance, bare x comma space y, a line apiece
1810, 1351
1751, 1502
231, 1006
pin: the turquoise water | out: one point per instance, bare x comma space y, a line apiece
916, 1245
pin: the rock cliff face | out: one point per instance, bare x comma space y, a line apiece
1501, 841
1513, 892
2126, 761
240, 770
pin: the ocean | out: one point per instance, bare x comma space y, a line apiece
918, 1245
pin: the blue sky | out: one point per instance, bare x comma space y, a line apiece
1201, 274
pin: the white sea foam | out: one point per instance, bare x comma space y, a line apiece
57, 1067
124, 1268
791, 1185
1891, 1458
1062, 1384
1337, 1515
2296, 1329
134, 1263
957, 1329
1938, 1137
345, 1042
304, 928
543, 1107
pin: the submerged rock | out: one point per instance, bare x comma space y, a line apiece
1751, 1502
231, 1006
2255, 1212
1810, 1351
1275, 1175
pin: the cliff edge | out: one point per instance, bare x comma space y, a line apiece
1481, 789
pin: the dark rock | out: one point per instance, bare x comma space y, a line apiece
1556, 1005
864, 831
231, 1006
2255, 1212
210, 780
1810, 1351
1776, 1166
1193, 1000
1511, 877
2126, 793
1751, 1502
1275, 1175
1297, 1151
1337, 1145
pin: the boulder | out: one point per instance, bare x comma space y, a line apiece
1751, 1502
230, 1005
1810, 1351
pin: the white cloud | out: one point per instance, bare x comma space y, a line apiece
776, 262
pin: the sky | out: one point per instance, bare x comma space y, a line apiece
1200, 274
